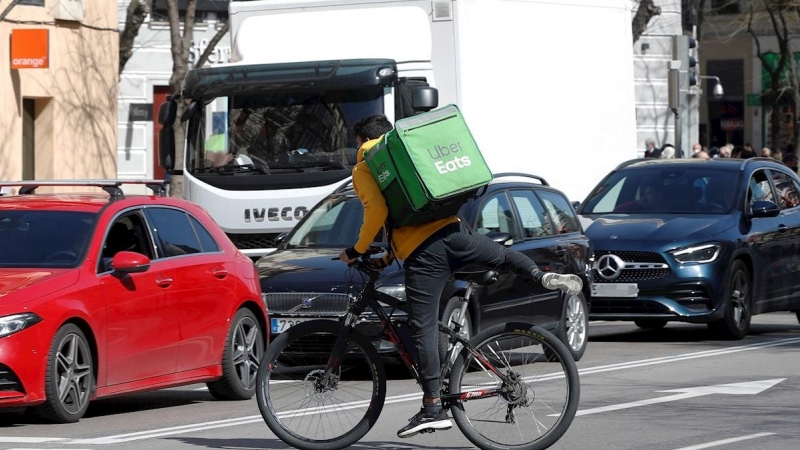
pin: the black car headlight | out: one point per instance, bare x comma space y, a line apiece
704, 253
398, 292
17, 322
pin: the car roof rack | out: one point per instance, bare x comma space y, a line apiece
520, 174
28, 187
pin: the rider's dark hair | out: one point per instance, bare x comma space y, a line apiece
372, 127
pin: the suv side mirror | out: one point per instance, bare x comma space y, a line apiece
280, 238
501, 238
764, 208
424, 98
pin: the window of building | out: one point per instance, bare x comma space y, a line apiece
205, 10
725, 6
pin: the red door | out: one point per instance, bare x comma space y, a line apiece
160, 94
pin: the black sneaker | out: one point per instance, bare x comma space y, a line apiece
569, 283
424, 423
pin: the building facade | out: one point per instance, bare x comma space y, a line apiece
730, 52
58, 89
144, 83
726, 50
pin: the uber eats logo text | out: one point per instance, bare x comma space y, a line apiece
383, 173
443, 152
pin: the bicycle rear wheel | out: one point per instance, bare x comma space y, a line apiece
536, 406
307, 415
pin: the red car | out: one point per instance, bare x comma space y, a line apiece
106, 294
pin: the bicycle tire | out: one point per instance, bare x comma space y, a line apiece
289, 366
541, 375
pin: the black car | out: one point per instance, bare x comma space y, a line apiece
300, 281
703, 241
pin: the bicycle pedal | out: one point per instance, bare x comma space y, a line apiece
427, 430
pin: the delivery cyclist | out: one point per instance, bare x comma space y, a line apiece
431, 253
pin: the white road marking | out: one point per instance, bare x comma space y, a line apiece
725, 441
748, 388
154, 433
30, 440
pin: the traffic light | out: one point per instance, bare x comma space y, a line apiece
684, 49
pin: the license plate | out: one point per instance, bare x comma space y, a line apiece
615, 290
282, 324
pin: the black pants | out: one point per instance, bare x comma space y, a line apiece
429, 268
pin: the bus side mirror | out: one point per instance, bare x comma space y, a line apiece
166, 148
166, 136
424, 98
167, 112
190, 111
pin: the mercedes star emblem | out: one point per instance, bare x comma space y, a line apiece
609, 267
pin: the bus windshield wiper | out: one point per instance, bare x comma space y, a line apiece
230, 169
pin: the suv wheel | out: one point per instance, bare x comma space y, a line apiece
573, 329
735, 323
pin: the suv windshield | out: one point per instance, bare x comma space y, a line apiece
283, 133
664, 190
47, 239
333, 223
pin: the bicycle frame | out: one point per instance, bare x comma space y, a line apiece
372, 298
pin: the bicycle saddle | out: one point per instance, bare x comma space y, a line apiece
483, 278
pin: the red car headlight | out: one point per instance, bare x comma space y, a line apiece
17, 322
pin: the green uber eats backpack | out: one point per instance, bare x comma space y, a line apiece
427, 167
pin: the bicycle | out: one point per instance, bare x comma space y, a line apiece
322, 385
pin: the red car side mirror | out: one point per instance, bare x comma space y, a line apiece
130, 262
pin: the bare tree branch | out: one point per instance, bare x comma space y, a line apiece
647, 10
137, 12
211, 45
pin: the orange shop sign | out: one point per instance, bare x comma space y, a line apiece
30, 48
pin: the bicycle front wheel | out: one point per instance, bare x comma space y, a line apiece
539, 392
308, 414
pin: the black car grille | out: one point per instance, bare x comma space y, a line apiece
643, 257
601, 306
316, 304
253, 241
634, 275
9, 381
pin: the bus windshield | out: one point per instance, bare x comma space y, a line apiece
282, 132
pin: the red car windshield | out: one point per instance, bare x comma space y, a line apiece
46, 239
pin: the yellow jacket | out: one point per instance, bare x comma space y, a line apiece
405, 239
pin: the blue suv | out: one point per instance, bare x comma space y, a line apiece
703, 241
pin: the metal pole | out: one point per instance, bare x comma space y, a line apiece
678, 133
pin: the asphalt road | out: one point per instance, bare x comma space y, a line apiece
673, 389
